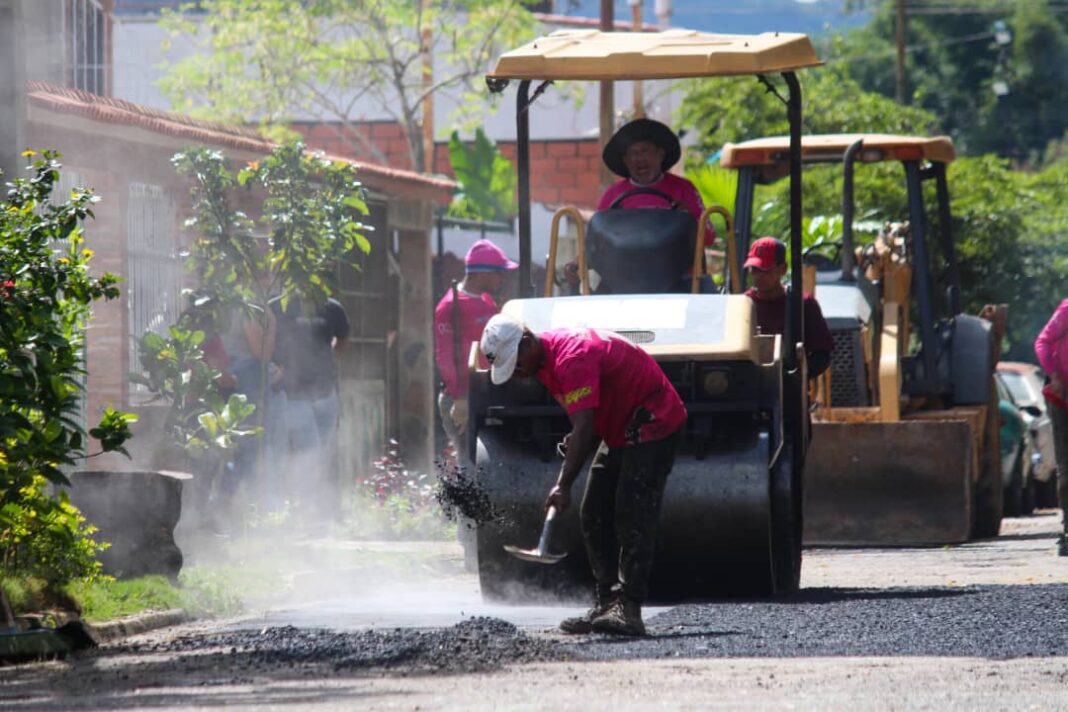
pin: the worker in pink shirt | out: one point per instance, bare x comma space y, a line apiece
642, 152
464, 311
1051, 347
626, 414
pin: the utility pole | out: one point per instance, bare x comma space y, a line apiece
639, 89
608, 99
426, 42
901, 92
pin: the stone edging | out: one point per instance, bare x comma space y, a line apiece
110, 631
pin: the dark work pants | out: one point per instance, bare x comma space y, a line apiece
620, 511
1059, 419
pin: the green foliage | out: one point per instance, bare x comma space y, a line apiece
718, 111
395, 502
198, 420
45, 304
199, 592
954, 61
46, 537
717, 186
268, 60
309, 213
487, 179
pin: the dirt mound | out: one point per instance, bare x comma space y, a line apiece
475, 645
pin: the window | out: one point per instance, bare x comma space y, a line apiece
87, 49
154, 268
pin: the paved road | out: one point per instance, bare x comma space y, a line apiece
979, 626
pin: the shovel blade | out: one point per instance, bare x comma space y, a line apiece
534, 555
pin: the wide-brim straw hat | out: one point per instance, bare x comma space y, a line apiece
649, 130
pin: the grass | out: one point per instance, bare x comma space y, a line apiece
254, 567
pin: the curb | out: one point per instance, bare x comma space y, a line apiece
48, 643
110, 631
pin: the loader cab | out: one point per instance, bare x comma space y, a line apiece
849, 291
905, 432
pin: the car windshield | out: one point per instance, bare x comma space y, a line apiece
1019, 388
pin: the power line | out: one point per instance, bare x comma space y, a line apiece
914, 47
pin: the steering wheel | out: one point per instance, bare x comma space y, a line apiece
672, 203
822, 261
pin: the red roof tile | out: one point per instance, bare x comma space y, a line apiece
117, 111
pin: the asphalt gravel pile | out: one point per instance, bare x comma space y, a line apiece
474, 645
989, 621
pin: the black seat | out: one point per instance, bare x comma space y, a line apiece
641, 251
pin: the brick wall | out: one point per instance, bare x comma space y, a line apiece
562, 172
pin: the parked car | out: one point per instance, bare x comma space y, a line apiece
1017, 485
1023, 382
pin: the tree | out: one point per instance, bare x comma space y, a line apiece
310, 215
269, 61
955, 62
45, 305
742, 109
487, 179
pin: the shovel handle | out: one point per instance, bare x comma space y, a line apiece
546, 529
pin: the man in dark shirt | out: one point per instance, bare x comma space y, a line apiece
308, 340
766, 263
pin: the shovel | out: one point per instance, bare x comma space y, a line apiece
539, 555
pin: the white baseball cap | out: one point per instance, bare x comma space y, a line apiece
500, 346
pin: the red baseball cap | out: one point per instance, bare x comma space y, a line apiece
484, 256
766, 253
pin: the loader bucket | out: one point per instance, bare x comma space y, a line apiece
888, 484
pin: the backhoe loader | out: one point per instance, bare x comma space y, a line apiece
904, 444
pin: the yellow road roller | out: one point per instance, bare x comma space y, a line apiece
731, 516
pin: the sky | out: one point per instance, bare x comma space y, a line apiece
738, 16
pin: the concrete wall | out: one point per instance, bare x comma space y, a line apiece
31, 47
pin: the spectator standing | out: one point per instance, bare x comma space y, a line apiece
459, 319
309, 341
1051, 347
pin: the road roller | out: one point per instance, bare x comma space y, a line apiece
730, 523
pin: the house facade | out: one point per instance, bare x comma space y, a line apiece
122, 150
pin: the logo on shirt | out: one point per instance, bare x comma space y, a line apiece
576, 395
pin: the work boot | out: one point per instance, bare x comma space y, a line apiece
1062, 545
577, 625
623, 617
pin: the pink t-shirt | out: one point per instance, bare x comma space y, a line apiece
585, 368
474, 313
680, 189
1051, 349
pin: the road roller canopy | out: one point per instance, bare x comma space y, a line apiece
616, 56
830, 148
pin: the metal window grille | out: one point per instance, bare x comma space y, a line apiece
153, 269
87, 48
